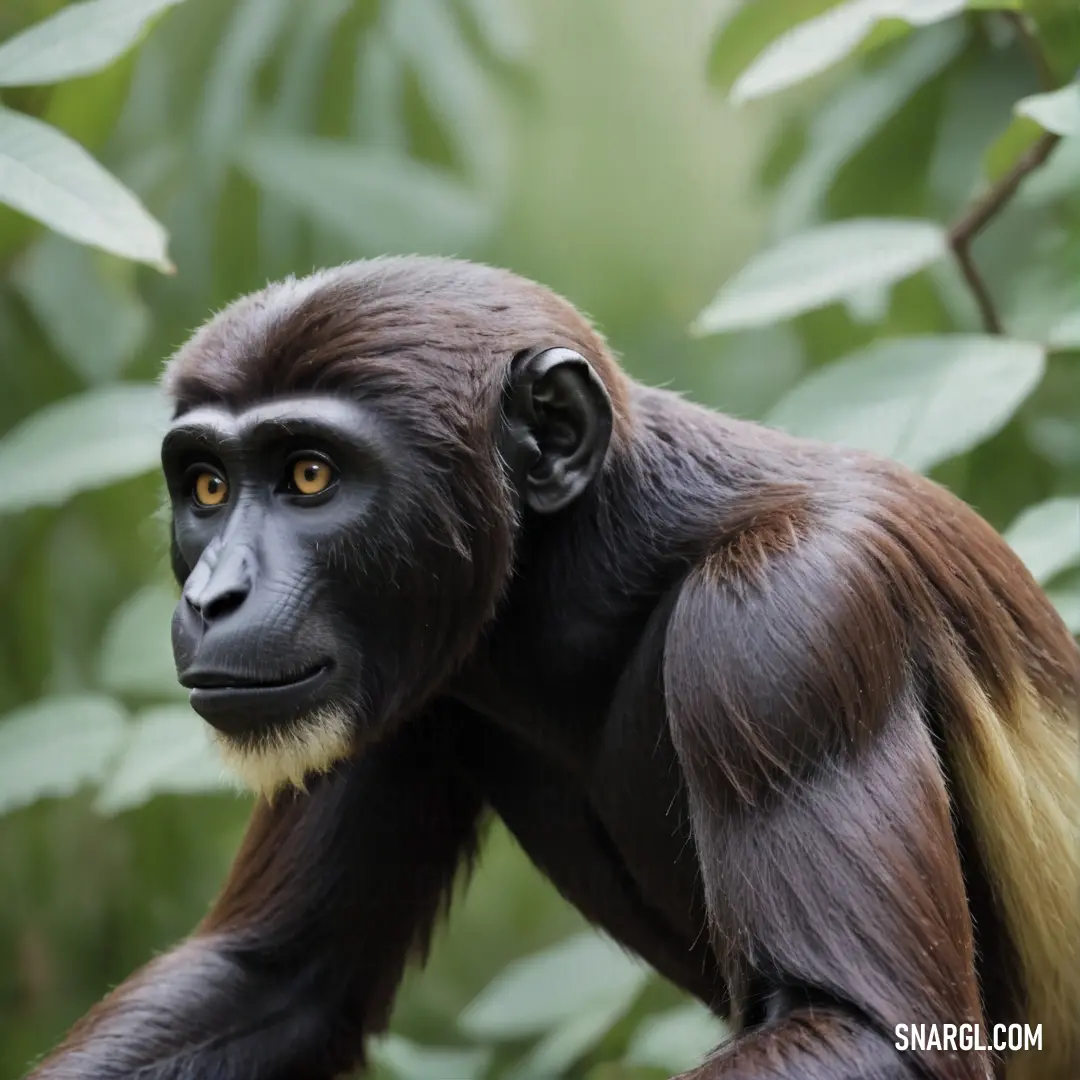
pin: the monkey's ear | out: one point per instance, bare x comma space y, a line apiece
559, 424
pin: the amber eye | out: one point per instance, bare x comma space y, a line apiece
311, 476
211, 489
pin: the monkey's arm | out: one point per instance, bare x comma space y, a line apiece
301, 955
820, 815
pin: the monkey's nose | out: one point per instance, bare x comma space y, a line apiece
215, 593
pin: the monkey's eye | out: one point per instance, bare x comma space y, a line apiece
310, 475
210, 488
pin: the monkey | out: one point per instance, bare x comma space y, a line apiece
784, 719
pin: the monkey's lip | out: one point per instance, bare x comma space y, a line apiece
240, 705
208, 679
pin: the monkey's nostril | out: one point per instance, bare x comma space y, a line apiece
216, 604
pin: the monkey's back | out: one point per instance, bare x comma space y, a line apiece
999, 675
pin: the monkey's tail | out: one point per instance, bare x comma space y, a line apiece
1017, 770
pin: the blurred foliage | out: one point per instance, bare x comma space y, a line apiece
590, 146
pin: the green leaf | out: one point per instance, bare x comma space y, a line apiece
868, 306
853, 116
1058, 111
1047, 290
82, 443
253, 29
622, 1070
676, 1040
1066, 333
1017, 139
454, 85
806, 50
78, 40
977, 94
168, 751
1047, 537
1067, 602
379, 84
52, 747
90, 311
504, 28
407, 1060
921, 12
754, 368
749, 28
50, 177
296, 107
1055, 181
919, 400
817, 44
136, 655
573, 1038
539, 992
380, 200
820, 266
295, 104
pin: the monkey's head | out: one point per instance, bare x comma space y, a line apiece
352, 462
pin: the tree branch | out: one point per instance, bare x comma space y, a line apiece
982, 212
988, 206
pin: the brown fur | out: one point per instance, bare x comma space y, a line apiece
1012, 740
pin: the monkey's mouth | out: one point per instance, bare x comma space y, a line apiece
227, 680
242, 704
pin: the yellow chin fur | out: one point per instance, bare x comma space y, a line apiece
279, 759
1019, 776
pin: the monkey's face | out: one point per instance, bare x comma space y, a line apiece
295, 531
354, 460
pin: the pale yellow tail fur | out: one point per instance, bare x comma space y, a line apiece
1019, 781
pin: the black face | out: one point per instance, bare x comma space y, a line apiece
264, 505
335, 567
